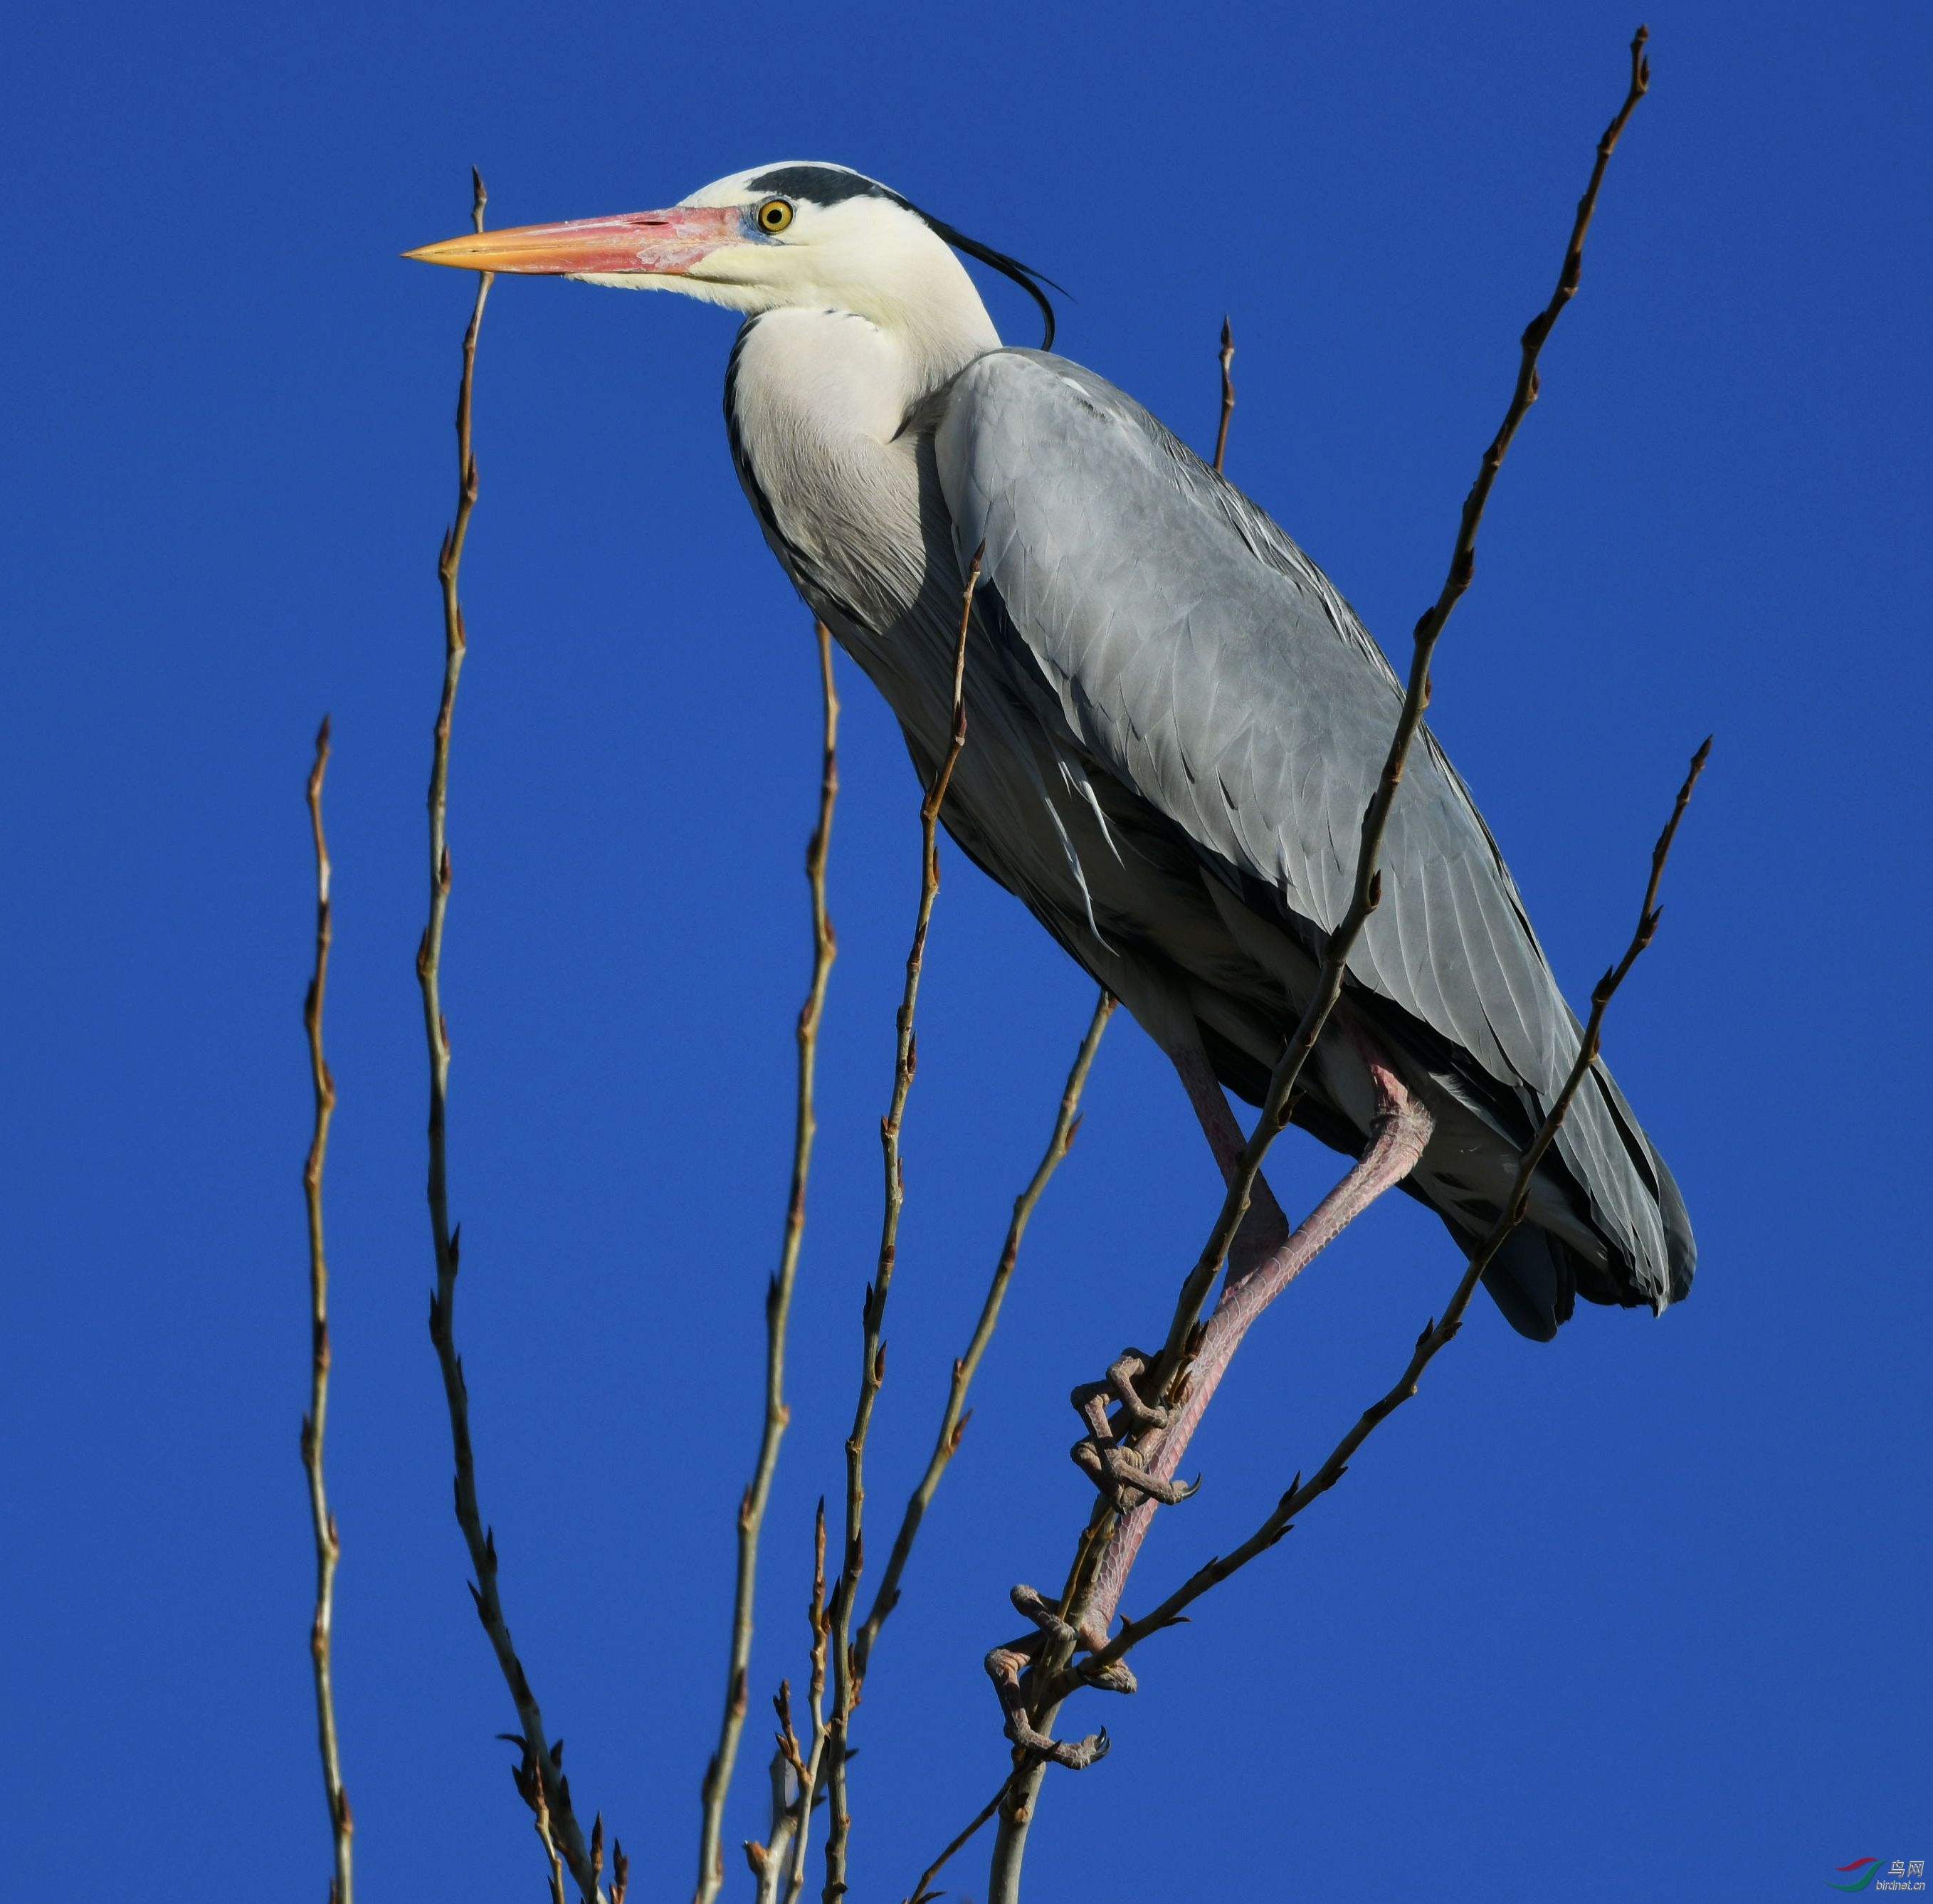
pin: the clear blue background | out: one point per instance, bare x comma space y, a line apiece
1638, 1615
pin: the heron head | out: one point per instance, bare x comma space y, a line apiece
798, 233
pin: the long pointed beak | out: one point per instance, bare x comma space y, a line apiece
661, 243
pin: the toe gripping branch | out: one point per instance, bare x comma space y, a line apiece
1120, 1472
1103, 1454
1008, 1666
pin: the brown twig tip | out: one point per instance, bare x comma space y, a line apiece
532, 1785
1227, 358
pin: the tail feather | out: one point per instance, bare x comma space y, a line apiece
1533, 1280
1681, 1244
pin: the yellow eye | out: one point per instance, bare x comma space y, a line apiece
773, 215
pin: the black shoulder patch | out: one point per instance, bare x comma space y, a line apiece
820, 185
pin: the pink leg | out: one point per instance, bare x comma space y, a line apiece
1264, 1229
1397, 1134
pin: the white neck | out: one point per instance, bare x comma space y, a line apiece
930, 312
818, 402
837, 354
868, 259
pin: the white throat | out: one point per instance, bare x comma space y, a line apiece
817, 402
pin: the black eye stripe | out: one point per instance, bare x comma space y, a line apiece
824, 184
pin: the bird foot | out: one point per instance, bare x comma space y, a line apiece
1034, 1606
1119, 1471
1005, 1665
1119, 1387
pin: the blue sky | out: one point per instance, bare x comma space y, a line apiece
1640, 1614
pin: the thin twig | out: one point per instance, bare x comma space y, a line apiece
551, 1785
1435, 1335
846, 1672
541, 1812
770, 1862
1227, 357
1278, 1103
922, 1892
820, 1623
718, 1783
328, 1546
953, 1421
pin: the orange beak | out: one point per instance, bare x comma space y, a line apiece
659, 244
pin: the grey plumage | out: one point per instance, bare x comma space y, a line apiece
1185, 642
1177, 722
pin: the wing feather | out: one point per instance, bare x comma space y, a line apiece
1194, 651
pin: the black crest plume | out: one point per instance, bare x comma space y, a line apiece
1029, 280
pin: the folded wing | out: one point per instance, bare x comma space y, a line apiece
1197, 653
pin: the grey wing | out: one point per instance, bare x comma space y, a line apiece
1207, 663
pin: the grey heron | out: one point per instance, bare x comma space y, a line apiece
1176, 719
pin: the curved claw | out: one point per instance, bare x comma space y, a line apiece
1076, 1755
1004, 1667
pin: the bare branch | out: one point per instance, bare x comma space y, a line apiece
1278, 1104
328, 1546
549, 1785
845, 1670
717, 1782
953, 1421
1227, 357
1367, 889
